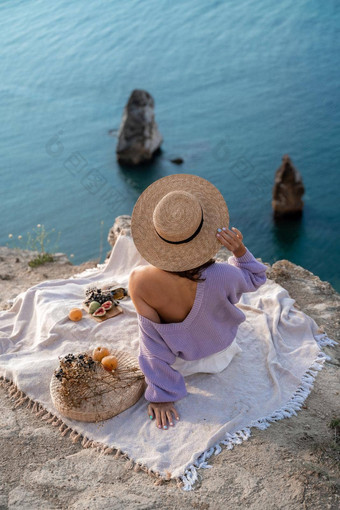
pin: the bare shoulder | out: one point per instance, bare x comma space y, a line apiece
140, 284
144, 281
141, 275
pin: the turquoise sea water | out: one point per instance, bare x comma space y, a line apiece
236, 85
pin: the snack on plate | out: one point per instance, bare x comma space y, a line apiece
118, 293
100, 312
94, 305
103, 303
82, 389
107, 305
102, 296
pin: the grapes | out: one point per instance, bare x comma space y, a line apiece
99, 295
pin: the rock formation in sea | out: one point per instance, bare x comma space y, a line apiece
288, 190
177, 161
138, 135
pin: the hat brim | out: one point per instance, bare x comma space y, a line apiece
179, 257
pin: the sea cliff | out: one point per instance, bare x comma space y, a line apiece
292, 464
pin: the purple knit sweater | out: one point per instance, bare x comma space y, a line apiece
210, 326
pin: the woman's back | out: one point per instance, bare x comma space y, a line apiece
170, 295
209, 327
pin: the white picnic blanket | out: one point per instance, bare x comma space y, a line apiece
268, 381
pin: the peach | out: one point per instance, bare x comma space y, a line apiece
99, 353
110, 363
75, 314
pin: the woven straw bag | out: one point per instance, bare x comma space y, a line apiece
102, 394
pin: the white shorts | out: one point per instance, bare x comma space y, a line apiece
211, 364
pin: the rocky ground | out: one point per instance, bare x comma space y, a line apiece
294, 464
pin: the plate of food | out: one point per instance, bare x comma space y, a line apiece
102, 303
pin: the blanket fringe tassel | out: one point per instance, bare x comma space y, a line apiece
289, 409
190, 476
19, 398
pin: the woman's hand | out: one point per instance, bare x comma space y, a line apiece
232, 240
162, 412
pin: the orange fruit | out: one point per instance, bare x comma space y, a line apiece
110, 363
75, 314
99, 353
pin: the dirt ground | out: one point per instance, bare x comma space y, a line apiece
294, 464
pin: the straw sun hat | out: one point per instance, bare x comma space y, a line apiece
175, 220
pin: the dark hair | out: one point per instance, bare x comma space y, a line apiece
196, 271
